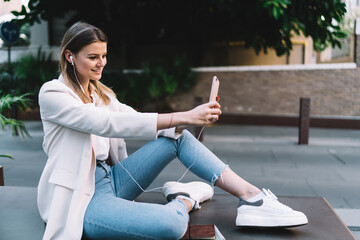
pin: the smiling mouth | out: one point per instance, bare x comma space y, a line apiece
96, 70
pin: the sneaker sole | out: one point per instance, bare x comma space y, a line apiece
251, 221
271, 227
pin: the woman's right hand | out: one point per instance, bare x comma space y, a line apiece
204, 114
201, 115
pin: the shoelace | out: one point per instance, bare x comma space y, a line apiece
273, 197
269, 194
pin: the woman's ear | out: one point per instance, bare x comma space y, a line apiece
69, 57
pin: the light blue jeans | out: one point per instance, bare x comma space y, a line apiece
112, 213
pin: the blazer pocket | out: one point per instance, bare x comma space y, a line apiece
64, 178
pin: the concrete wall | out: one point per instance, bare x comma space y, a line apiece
235, 54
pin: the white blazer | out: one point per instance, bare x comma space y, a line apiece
67, 183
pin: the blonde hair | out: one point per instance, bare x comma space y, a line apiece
76, 37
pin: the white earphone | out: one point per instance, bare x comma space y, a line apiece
71, 59
72, 63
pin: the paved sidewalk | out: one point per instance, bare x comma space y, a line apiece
266, 156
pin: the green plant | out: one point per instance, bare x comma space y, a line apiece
7, 102
156, 83
28, 74
11, 83
33, 70
260, 24
165, 79
129, 88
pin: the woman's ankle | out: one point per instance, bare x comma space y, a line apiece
250, 193
189, 204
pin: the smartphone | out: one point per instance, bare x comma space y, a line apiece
214, 89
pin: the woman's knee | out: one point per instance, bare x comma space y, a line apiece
175, 223
172, 230
186, 133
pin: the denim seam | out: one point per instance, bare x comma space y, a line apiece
180, 142
100, 164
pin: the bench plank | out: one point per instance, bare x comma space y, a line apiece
20, 217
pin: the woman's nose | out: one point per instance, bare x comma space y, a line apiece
101, 62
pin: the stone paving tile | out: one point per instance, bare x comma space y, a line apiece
351, 217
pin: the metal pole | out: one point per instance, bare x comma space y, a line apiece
9, 58
13, 107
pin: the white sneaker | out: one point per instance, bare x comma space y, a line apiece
268, 212
198, 191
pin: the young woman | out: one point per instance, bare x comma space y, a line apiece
79, 194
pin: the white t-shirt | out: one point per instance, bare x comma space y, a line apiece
101, 145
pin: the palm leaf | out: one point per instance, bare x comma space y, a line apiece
6, 103
7, 156
16, 126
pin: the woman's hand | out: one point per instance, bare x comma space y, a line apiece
204, 114
201, 115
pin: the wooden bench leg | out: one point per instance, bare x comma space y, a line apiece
1, 176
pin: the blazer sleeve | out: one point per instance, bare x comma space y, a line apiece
60, 105
169, 132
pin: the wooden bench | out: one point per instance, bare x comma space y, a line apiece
20, 218
324, 223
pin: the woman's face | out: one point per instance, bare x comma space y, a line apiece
90, 61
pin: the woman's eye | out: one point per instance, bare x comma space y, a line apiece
92, 58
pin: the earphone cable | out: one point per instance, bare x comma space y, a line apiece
159, 188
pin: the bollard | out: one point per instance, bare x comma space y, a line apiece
304, 120
2, 183
197, 102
